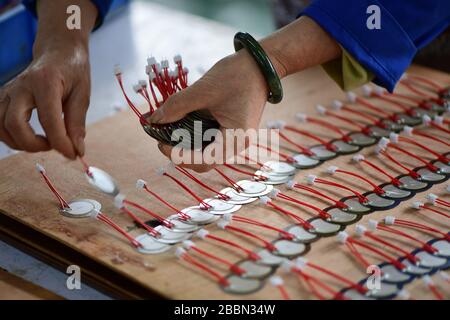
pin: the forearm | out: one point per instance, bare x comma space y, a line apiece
300, 45
52, 25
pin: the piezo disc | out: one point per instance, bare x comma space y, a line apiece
355, 206
420, 112
80, 208
199, 216
170, 237
102, 181
150, 245
391, 274
443, 247
428, 260
322, 153
254, 270
301, 235
392, 192
281, 168
408, 120
181, 226
378, 132
269, 259
343, 147
273, 178
342, 217
393, 126
413, 269
290, 249
411, 184
254, 188
430, 176
361, 139
239, 285
380, 203
386, 290
221, 207
304, 162
235, 198
324, 228
443, 167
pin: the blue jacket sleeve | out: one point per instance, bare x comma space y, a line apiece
406, 26
103, 7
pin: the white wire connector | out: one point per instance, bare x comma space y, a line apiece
227, 217
264, 199
140, 184
383, 142
151, 61
117, 70
358, 157
137, 87
165, 64
332, 170
378, 149
321, 109
379, 91
393, 137
351, 96
148, 69
404, 294
222, 224
360, 230
118, 201
276, 281
160, 171
287, 265
274, 193
337, 105
427, 280
389, 220
202, 234
94, 214
372, 225
301, 263
290, 184
188, 244
180, 252
143, 83
151, 76
417, 205
40, 168
448, 188
276, 124
367, 90
311, 179
302, 117
342, 237
177, 58
431, 197
407, 130
426, 119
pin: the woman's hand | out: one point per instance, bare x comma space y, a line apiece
56, 82
235, 92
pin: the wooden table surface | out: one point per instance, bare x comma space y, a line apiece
118, 145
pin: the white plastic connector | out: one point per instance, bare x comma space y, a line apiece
407, 130
377, 150
427, 280
158, 68
351, 96
287, 265
202, 234
417, 205
276, 281
137, 87
290, 184
264, 200
383, 142
360, 230
311, 179
393, 137
431, 197
222, 224
118, 201
177, 58
367, 90
180, 252
276, 124
185, 70
140, 184
274, 193
227, 217
94, 214
40, 168
160, 171
165, 63
332, 169
438, 120
372, 225
117, 70
152, 76
426, 119
389, 220
321, 109
302, 117
148, 69
404, 294
448, 188
378, 90
143, 83
301, 263
358, 157
151, 61
188, 244
342, 237
337, 105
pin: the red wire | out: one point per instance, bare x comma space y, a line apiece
411, 173
361, 198
180, 213
203, 204
249, 253
256, 177
233, 268
222, 280
285, 234
152, 231
150, 213
394, 180
329, 126
304, 223
301, 148
233, 184
426, 81
267, 244
108, 221
435, 211
62, 203
322, 214
436, 154
376, 188
424, 245
338, 203
308, 134
423, 134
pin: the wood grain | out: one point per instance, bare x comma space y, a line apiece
118, 145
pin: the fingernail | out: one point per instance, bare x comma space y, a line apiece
80, 146
156, 117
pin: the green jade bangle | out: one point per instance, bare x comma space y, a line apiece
245, 40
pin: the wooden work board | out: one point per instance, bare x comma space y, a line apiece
29, 215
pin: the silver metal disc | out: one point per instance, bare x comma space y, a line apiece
181, 226
239, 285
254, 188
361, 139
80, 208
343, 147
354, 206
102, 181
150, 245
322, 153
378, 132
281, 168
254, 270
304, 162
410, 183
386, 291
393, 126
170, 237
443, 167
199, 216
428, 260
419, 112
235, 198
273, 178
392, 275
290, 249
443, 247
221, 207
378, 202
341, 217
324, 228
396, 193
408, 120
269, 259
413, 269
429, 175
301, 234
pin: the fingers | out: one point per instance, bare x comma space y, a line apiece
16, 123
49, 106
4, 135
75, 109
178, 105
